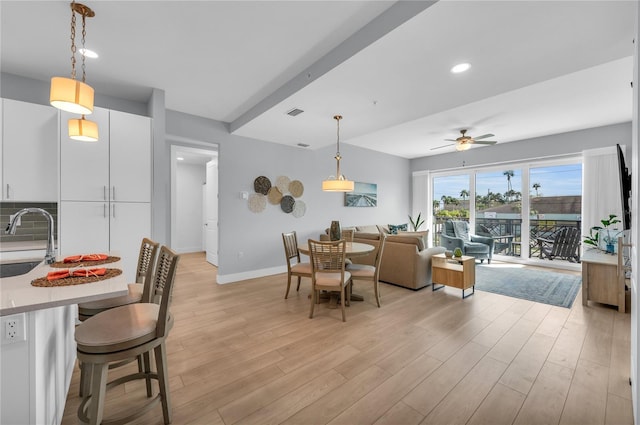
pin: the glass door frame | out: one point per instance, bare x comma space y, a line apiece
525, 167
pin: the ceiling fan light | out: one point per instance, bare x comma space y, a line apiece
462, 146
71, 95
83, 130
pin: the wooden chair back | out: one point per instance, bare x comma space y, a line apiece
327, 256
290, 241
347, 234
146, 260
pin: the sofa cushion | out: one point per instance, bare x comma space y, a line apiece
413, 239
367, 229
368, 236
395, 228
423, 234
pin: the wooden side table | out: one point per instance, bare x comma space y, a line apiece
457, 272
603, 279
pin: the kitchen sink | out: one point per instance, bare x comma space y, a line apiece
16, 269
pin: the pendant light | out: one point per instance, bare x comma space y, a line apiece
339, 182
69, 94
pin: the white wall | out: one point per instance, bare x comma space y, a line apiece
250, 244
189, 220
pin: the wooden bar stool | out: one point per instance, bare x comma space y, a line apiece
123, 333
146, 262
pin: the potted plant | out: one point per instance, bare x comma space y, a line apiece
417, 222
594, 234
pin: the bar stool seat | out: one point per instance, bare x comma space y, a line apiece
123, 333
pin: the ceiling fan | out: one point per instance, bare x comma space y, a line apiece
464, 142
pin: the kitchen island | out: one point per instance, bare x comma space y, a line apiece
36, 365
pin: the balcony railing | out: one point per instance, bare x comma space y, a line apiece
508, 232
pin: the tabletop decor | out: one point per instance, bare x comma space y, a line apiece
75, 277
602, 237
335, 234
85, 262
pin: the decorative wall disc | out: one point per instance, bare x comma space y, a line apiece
296, 188
282, 182
257, 202
299, 209
262, 185
287, 203
274, 196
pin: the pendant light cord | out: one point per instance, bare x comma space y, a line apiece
73, 42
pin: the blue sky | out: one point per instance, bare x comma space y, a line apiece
554, 181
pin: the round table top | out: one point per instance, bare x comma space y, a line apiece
353, 249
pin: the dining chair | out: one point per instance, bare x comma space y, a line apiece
369, 273
146, 261
127, 332
347, 234
294, 267
328, 271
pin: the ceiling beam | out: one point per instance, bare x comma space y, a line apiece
396, 15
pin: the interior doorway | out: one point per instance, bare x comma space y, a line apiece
194, 194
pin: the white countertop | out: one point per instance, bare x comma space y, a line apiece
17, 295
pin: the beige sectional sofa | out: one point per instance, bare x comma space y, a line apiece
406, 260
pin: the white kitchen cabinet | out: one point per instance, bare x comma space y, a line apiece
84, 166
106, 187
115, 168
29, 152
99, 227
130, 157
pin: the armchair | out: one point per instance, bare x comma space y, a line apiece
455, 234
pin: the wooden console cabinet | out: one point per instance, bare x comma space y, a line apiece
603, 279
456, 272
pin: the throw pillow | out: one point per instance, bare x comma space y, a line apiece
395, 228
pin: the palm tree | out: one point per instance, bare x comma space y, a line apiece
464, 194
536, 186
436, 205
509, 174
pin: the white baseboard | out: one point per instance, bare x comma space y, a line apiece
188, 249
236, 277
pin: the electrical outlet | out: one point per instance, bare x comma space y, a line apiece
240, 254
13, 329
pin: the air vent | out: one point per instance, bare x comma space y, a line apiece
294, 112
303, 145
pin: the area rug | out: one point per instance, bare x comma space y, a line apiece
546, 287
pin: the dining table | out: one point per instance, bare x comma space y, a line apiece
352, 249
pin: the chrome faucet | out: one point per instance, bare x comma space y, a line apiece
50, 256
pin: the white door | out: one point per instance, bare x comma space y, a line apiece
211, 206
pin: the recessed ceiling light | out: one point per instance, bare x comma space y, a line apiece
461, 67
88, 53
180, 158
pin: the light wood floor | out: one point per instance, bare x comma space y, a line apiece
241, 354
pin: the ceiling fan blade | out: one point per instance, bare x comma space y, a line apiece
485, 142
450, 140
484, 136
443, 146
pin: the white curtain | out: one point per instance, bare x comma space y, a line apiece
600, 187
421, 201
